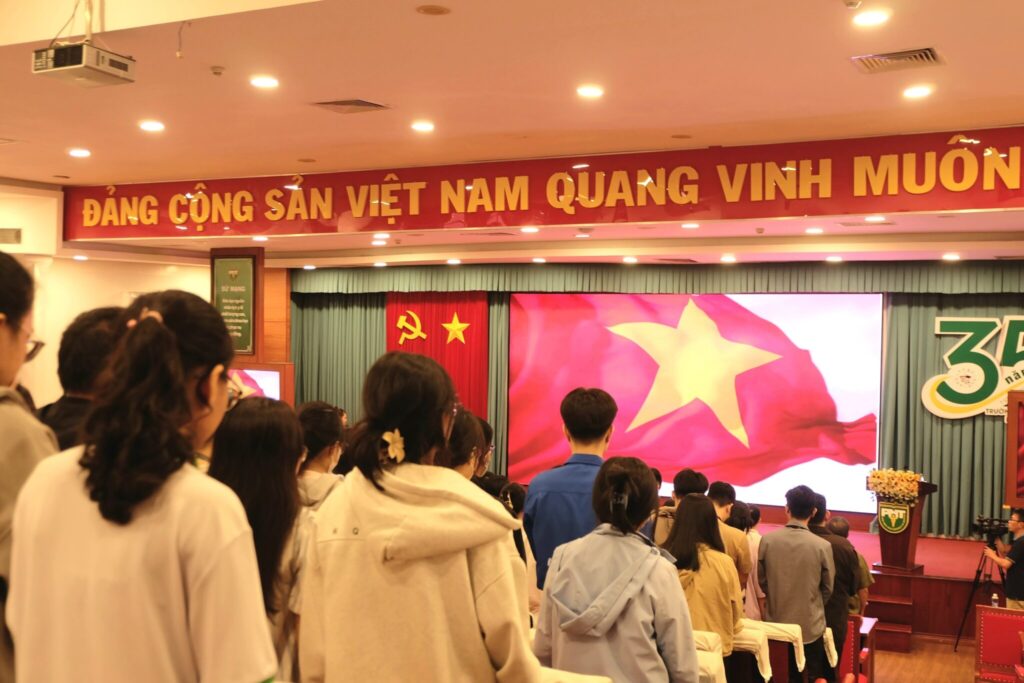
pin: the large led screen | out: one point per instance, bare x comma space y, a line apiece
765, 391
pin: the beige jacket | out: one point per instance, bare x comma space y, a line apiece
24, 441
418, 582
713, 596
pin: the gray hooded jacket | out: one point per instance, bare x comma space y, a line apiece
613, 606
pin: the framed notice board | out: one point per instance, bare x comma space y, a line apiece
1015, 449
234, 295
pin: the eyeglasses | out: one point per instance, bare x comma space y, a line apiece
234, 392
32, 348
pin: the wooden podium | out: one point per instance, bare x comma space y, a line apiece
900, 549
892, 596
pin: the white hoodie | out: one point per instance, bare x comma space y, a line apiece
418, 582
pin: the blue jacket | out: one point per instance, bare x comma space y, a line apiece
558, 507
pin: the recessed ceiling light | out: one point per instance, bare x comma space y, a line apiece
306, 160
538, 259
227, 227
469, 187
630, 259
433, 10
381, 235
728, 258
263, 81
423, 126
951, 256
454, 262
379, 243
151, 126
682, 136
291, 186
79, 152
690, 226
871, 17
80, 257
580, 166
814, 231
529, 229
67, 177
874, 219
834, 259
916, 92
582, 236
590, 91
379, 264
181, 227
260, 238
309, 267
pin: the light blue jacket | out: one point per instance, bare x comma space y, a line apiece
613, 606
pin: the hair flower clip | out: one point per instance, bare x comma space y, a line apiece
396, 446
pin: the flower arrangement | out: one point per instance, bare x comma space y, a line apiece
894, 486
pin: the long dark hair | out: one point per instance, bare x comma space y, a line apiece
133, 438
321, 428
255, 452
467, 436
405, 392
696, 522
625, 493
16, 290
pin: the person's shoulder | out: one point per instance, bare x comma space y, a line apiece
194, 490
20, 426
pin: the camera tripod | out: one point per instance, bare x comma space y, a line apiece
982, 579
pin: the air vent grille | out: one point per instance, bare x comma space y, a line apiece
897, 61
10, 235
351, 106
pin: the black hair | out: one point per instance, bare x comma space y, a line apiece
588, 414
624, 493
840, 526
513, 497
739, 516
755, 515
1019, 512
17, 291
820, 510
26, 396
256, 451
688, 481
722, 494
321, 428
657, 476
491, 483
466, 440
85, 347
800, 501
133, 434
488, 431
696, 522
406, 392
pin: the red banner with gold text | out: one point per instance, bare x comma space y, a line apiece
951, 171
451, 328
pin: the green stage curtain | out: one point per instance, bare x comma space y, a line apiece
497, 377
966, 458
335, 340
981, 277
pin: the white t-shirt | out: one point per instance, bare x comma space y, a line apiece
173, 596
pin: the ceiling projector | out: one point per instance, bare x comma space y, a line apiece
83, 64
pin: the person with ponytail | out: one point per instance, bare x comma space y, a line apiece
412, 574
707, 574
257, 451
612, 603
25, 441
322, 433
129, 564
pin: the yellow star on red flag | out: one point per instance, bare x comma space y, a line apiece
455, 328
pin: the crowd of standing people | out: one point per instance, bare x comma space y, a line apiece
160, 525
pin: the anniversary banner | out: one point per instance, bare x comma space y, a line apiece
951, 171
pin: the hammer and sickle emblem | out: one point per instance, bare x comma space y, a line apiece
410, 330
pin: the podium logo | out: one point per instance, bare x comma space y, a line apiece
976, 381
893, 517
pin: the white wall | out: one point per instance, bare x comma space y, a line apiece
65, 288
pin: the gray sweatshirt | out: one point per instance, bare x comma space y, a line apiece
613, 606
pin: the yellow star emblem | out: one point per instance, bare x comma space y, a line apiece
455, 329
695, 363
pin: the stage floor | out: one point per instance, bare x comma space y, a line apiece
944, 557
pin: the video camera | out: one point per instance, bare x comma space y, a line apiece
989, 527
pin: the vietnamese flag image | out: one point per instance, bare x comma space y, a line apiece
451, 328
701, 381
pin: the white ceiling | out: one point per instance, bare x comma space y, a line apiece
499, 79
